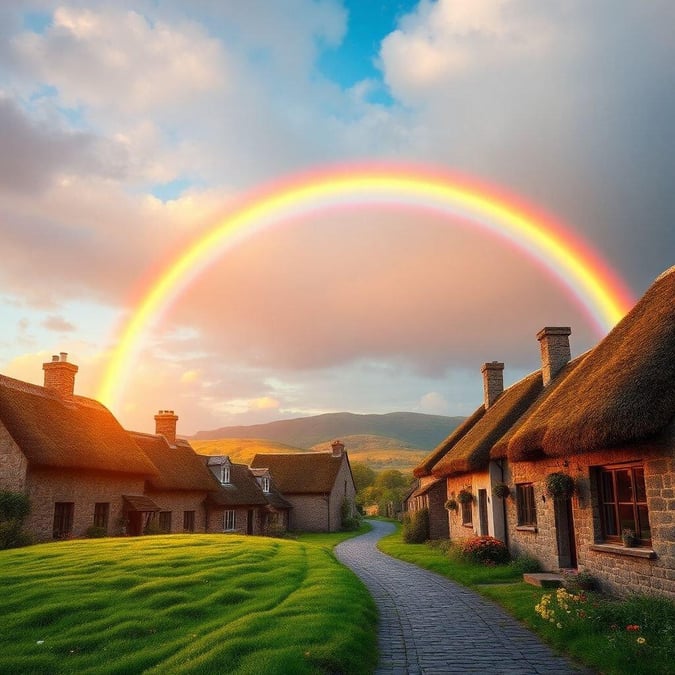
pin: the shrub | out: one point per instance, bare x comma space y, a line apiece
276, 530
14, 508
464, 497
350, 517
416, 527
486, 550
95, 532
501, 490
524, 564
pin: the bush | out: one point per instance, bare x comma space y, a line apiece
486, 550
14, 508
350, 517
524, 564
96, 532
416, 527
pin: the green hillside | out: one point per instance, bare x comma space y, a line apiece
415, 429
377, 452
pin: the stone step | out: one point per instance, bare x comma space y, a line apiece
543, 579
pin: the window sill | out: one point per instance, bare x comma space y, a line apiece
468, 525
617, 549
526, 528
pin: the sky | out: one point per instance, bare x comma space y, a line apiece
128, 128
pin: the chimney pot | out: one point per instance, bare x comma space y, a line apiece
493, 382
555, 350
165, 424
60, 375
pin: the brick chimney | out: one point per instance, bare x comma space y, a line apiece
338, 448
165, 424
60, 375
555, 350
493, 382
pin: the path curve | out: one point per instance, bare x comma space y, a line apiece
431, 625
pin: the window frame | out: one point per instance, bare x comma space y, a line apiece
613, 470
101, 515
225, 474
229, 515
526, 505
466, 510
188, 521
265, 484
164, 521
64, 515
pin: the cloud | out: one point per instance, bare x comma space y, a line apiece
58, 324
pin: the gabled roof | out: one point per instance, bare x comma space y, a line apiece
622, 392
242, 490
427, 464
67, 433
472, 451
274, 497
180, 467
302, 472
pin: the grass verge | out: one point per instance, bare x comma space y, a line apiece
634, 636
184, 604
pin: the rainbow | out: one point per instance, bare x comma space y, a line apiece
595, 287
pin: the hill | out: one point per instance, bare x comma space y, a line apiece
418, 430
377, 452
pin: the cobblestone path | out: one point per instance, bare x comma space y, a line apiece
429, 624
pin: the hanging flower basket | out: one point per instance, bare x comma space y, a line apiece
501, 490
560, 485
464, 497
451, 505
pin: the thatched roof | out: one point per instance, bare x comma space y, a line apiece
500, 448
180, 467
419, 491
242, 490
67, 433
425, 467
622, 392
472, 451
302, 472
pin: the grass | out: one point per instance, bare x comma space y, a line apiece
184, 604
593, 633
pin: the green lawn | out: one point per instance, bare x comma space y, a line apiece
184, 604
591, 630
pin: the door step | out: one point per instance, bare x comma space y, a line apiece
543, 579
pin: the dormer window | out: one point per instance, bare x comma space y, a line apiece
266, 484
224, 473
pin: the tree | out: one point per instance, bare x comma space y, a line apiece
364, 476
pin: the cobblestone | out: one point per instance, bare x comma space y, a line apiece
430, 625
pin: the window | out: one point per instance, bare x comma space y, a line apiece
165, 521
623, 502
63, 519
224, 473
101, 513
266, 484
527, 514
188, 521
467, 513
230, 520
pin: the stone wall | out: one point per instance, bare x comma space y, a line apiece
309, 513
619, 570
343, 488
84, 489
215, 520
13, 464
179, 502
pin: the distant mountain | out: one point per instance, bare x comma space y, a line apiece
414, 429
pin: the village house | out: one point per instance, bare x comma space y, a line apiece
72, 458
606, 421
316, 484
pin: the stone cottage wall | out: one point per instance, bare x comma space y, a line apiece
13, 464
309, 513
619, 570
84, 489
459, 531
215, 520
343, 488
177, 503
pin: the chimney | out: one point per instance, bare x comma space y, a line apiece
555, 350
493, 382
165, 424
338, 448
60, 375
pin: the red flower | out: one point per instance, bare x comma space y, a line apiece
632, 627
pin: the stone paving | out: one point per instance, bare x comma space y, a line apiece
431, 625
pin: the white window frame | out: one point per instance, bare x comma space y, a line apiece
229, 520
266, 484
224, 474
